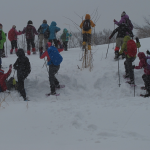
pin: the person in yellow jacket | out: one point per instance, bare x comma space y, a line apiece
87, 31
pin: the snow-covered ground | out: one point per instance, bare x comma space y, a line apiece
91, 113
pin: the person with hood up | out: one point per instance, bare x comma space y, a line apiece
54, 61
2, 41
12, 36
122, 31
124, 19
129, 47
87, 31
30, 33
144, 63
42, 29
65, 38
3, 76
53, 29
22, 65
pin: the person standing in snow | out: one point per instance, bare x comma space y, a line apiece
144, 63
2, 41
12, 36
87, 31
30, 33
22, 65
65, 38
122, 31
54, 61
53, 29
124, 19
129, 47
42, 30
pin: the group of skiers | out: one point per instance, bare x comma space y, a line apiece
124, 40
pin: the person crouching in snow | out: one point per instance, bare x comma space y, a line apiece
144, 63
65, 38
22, 65
87, 31
129, 47
54, 61
3, 79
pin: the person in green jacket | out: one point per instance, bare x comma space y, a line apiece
65, 38
2, 41
129, 59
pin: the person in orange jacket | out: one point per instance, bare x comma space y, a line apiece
87, 31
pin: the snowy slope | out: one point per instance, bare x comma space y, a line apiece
92, 111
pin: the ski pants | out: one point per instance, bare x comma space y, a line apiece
119, 42
52, 79
30, 42
146, 79
129, 68
41, 38
65, 44
21, 87
55, 42
14, 44
87, 38
1, 54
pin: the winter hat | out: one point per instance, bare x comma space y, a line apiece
13, 26
141, 55
20, 52
87, 17
30, 22
44, 21
148, 61
123, 14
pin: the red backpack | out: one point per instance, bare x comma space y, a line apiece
131, 48
11, 34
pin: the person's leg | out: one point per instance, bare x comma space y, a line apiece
126, 69
41, 37
33, 46
12, 47
89, 41
84, 41
1, 53
45, 42
21, 88
15, 45
118, 43
55, 42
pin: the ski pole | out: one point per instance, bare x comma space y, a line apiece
118, 73
6, 44
113, 41
14, 73
107, 49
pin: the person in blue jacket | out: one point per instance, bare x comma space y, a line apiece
53, 30
54, 61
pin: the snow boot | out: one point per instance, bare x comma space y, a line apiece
33, 50
28, 52
11, 51
143, 88
126, 76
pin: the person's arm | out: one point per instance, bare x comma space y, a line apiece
3, 38
92, 24
123, 48
57, 29
81, 25
113, 33
24, 30
6, 75
16, 65
34, 31
18, 33
141, 65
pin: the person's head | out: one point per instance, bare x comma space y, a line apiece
14, 26
1, 26
20, 52
123, 14
87, 17
30, 22
141, 55
44, 21
49, 44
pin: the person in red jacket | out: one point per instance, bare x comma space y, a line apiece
144, 63
13, 35
3, 77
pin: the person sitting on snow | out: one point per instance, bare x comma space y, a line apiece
54, 61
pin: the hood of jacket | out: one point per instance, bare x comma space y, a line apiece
141, 55
125, 17
53, 23
87, 17
20, 53
126, 38
65, 30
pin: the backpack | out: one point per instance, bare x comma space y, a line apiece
46, 33
129, 24
29, 32
131, 48
11, 34
86, 25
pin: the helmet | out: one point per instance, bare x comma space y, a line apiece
30, 22
44, 21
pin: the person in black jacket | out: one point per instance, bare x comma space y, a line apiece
22, 65
122, 32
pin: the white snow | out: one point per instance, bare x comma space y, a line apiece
91, 113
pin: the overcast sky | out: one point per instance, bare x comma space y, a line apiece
18, 12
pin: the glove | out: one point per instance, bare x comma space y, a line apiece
133, 66
137, 40
115, 20
147, 52
10, 66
